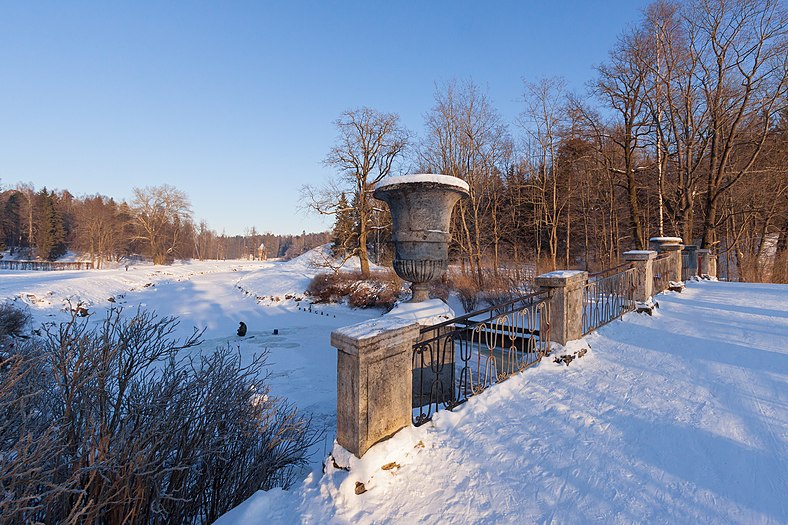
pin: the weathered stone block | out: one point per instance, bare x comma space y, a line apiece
374, 385
566, 303
644, 275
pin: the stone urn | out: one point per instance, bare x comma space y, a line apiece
663, 244
421, 207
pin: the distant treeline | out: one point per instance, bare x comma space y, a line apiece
156, 223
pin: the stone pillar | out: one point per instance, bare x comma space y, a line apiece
691, 252
708, 263
644, 274
566, 303
673, 246
374, 381
675, 251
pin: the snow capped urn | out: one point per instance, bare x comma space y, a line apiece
421, 207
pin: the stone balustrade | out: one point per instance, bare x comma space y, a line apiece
375, 358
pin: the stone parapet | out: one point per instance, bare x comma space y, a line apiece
644, 273
566, 303
707, 263
691, 252
374, 380
673, 246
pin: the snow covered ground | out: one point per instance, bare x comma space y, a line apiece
677, 418
217, 296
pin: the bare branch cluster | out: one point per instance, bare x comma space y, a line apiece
114, 423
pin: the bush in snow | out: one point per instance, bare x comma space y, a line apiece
13, 320
489, 288
380, 290
108, 423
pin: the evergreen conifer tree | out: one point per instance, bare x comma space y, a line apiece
344, 234
50, 233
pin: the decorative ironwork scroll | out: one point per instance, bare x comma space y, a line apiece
460, 358
607, 296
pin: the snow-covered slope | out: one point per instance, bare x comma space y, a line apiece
677, 418
217, 296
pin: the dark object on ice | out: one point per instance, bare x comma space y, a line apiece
360, 488
242, 329
276, 331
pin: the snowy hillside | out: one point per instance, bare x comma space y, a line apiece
677, 418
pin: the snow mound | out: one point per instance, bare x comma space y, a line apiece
289, 280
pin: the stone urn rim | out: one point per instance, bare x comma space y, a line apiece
667, 240
424, 178
421, 205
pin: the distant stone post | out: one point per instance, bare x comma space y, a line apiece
691, 251
566, 303
644, 277
708, 263
374, 380
673, 246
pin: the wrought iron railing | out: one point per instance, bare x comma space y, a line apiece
461, 357
608, 295
45, 265
663, 269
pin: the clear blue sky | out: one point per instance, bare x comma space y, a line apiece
234, 102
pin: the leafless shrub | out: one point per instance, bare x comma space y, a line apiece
498, 289
780, 270
467, 291
440, 289
117, 427
13, 320
28, 442
380, 290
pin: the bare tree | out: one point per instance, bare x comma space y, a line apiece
544, 120
467, 138
621, 85
676, 107
161, 215
369, 145
742, 45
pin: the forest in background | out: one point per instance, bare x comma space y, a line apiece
682, 133
157, 223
